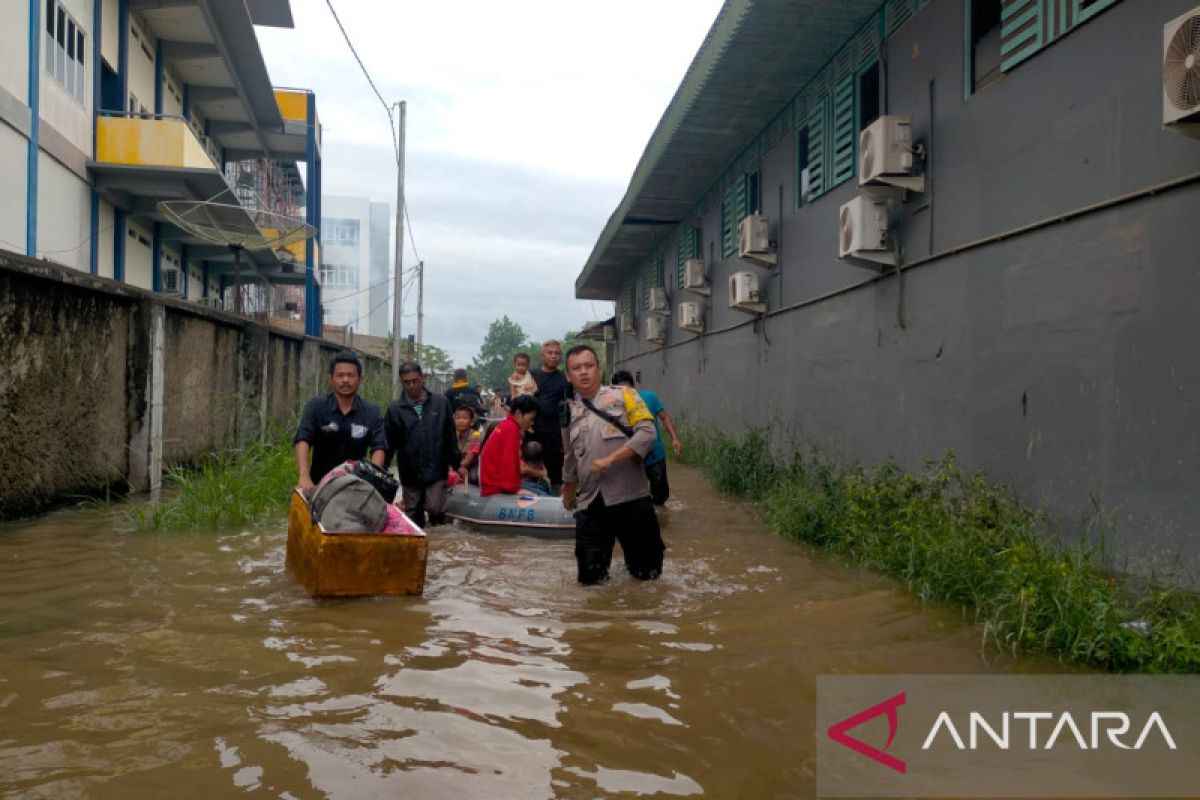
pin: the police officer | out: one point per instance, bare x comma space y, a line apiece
608, 434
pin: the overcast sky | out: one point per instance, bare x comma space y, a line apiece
525, 121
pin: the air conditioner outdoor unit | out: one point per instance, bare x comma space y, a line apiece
1181, 73
693, 276
885, 154
863, 232
171, 282
744, 294
626, 321
658, 301
689, 317
754, 241
656, 329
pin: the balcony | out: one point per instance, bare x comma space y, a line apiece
149, 141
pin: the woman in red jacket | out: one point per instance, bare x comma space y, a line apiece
500, 465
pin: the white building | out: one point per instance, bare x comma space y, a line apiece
108, 107
356, 287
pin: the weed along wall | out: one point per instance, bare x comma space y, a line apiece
102, 384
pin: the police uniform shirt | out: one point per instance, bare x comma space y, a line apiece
589, 437
336, 437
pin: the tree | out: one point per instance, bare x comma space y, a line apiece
493, 364
431, 357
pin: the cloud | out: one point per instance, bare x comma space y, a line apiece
525, 122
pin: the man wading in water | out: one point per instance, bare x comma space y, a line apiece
338, 426
609, 432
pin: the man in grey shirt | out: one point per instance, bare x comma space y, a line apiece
609, 434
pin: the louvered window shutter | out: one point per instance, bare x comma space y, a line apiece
1020, 31
818, 125
843, 130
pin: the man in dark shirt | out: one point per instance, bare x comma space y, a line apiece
462, 395
338, 426
552, 389
420, 432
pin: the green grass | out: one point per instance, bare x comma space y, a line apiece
232, 489
963, 540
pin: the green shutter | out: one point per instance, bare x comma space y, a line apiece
1086, 9
818, 127
844, 146
649, 271
687, 245
895, 14
1020, 31
733, 208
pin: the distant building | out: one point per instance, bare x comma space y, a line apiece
355, 277
1032, 306
108, 107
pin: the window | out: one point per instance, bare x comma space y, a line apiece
845, 140
740, 198
752, 202
1003, 33
804, 191
651, 277
815, 127
66, 51
985, 43
687, 245
339, 276
339, 231
868, 96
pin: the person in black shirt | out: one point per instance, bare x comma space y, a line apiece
338, 426
420, 432
552, 389
462, 395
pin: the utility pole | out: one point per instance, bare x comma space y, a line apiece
398, 276
420, 304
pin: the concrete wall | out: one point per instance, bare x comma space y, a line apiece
1043, 329
102, 383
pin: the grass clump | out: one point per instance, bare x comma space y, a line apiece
960, 539
230, 489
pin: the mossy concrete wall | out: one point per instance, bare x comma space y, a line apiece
101, 384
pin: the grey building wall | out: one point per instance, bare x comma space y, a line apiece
1043, 328
380, 322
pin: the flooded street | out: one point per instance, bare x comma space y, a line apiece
193, 665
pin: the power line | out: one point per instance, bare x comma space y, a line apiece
408, 221
387, 109
383, 282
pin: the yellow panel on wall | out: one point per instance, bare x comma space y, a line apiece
149, 142
293, 105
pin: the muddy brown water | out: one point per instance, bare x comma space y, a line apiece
193, 665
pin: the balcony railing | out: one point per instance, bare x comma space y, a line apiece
152, 140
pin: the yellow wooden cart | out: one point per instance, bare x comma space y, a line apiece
352, 564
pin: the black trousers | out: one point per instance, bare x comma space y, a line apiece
660, 490
633, 524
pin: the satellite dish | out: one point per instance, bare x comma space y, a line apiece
236, 228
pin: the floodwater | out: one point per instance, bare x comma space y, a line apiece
193, 665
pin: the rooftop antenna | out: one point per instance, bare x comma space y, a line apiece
236, 227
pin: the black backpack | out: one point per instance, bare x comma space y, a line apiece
384, 482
